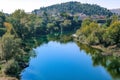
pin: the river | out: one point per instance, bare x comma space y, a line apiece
69, 61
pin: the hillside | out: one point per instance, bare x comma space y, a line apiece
117, 11
73, 8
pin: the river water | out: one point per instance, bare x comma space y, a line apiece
68, 61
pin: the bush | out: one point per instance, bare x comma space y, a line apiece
11, 68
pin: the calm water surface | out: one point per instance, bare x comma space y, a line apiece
56, 61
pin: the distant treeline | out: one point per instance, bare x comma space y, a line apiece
73, 8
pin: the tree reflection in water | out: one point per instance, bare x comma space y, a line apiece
110, 63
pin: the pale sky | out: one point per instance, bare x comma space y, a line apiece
9, 6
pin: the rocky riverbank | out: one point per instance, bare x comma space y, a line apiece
110, 50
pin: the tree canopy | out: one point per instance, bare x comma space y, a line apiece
73, 8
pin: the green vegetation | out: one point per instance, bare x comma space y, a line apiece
110, 63
12, 55
30, 25
19, 31
96, 34
73, 8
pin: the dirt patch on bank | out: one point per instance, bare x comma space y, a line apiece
7, 78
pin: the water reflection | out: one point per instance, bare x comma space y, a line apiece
110, 63
58, 61
37, 41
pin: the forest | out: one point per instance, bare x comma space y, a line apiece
74, 8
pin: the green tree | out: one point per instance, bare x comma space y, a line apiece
10, 46
50, 27
90, 33
112, 33
2, 19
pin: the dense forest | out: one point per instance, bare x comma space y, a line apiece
73, 8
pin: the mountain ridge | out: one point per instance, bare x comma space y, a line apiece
73, 7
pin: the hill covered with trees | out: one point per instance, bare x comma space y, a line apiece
73, 8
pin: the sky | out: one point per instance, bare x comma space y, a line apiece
9, 6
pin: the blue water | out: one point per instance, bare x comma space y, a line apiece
56, 61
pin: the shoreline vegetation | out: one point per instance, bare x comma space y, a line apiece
105, 51
101, 36
18, 36
109, 62
111, 50
19, 31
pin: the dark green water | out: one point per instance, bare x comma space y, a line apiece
70, 61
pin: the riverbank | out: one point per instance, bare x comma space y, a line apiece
3, 76
110, 50
106, 51
7, 78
